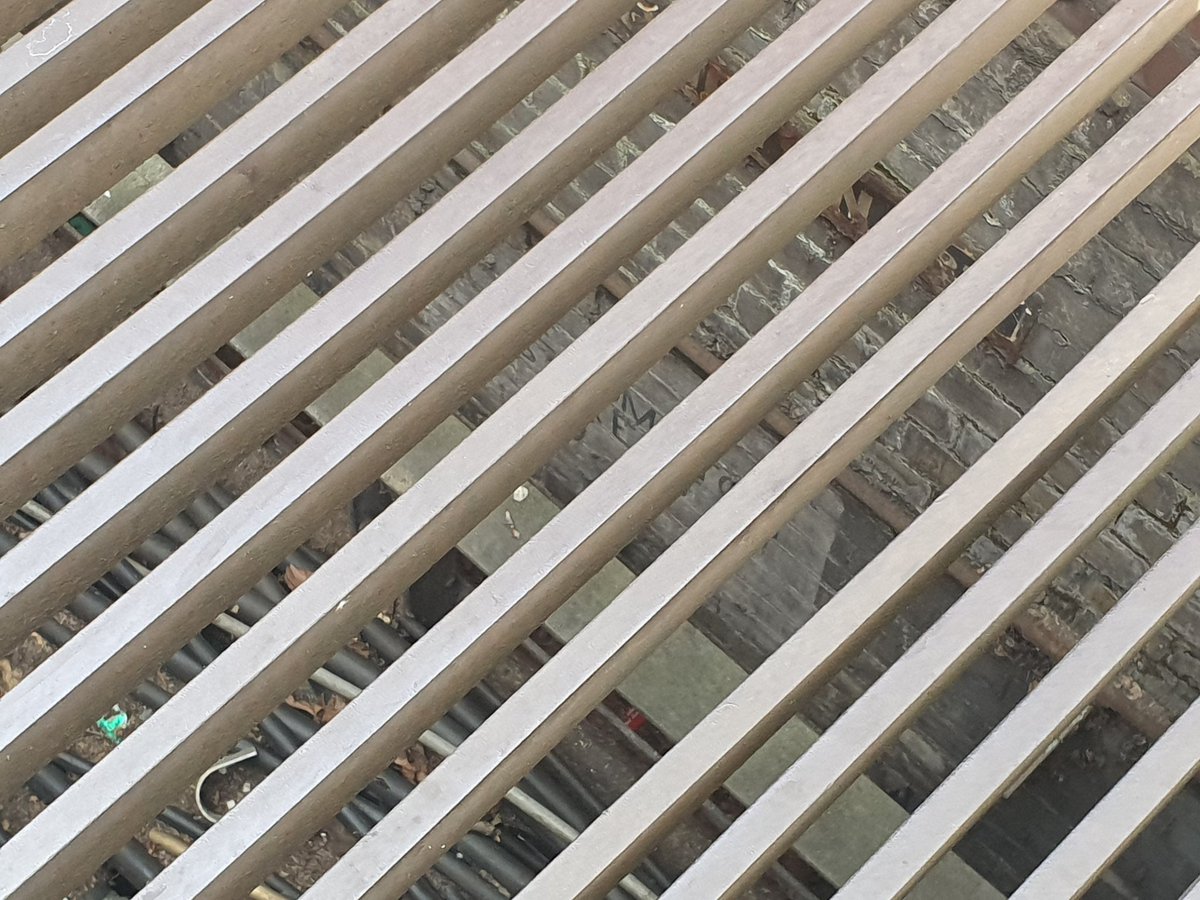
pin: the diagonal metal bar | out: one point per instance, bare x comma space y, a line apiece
226, 290
735, 860
452, 231
425, 521
1113, 823
666, 593
67, 55
1030, 730
721, 743
17, 15
84, 293
538, 569
107, 134
254, 401
355, 448
81, 301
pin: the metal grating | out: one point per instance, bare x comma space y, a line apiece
89, 93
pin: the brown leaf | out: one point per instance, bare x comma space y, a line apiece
712, 76
8, 678
313, 709
329, 710
294, 576
323, 712
415, 764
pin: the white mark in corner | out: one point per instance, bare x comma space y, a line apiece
55, 33
341, 605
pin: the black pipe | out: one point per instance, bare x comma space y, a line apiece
506, 869
154, 697
421, 890
286, 728
132, 861
550, 782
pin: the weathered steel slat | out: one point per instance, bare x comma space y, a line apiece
793, 802
830, 157
17, 15
1030, 730
227, 289
442, 242
580, 674
83, 346
1112, 824
735, 860
721, 743
83, 294
550, 278
874, 248
94, 143
67, 55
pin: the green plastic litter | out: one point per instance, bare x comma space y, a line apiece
82, 224
110, 726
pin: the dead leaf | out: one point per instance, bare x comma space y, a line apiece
415, 764
304, 706
8, 678
294, 576
323, 712
714, 74
329, 710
